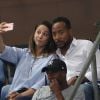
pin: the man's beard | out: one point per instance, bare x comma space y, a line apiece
64, 45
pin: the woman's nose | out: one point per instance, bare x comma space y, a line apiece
40, 35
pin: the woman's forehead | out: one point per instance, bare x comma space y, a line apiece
42, 27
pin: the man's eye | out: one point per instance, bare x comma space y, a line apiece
61, 32
46, 34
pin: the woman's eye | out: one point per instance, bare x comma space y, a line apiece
38, 32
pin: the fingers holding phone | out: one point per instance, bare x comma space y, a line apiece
4, 27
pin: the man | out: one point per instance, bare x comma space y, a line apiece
73, 52
29, 62
58, 88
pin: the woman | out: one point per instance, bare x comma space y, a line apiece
29, 62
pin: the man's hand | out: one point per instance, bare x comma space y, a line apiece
72, 80
54, 85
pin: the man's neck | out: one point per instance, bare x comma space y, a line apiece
64, 50
66, 47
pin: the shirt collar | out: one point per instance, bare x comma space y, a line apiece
73, 44
43, 55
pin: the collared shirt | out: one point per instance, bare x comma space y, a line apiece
76, 56
28, 71
45, 93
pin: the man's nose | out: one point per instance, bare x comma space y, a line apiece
49, 75
56, 37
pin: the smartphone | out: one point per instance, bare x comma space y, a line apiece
8, 26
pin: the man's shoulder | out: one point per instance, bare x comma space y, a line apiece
83, 41
43, 93
44, 90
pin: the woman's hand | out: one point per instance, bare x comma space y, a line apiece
2, 27
12, 96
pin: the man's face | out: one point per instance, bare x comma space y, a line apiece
61, 34
55, 75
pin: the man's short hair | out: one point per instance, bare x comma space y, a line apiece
55, 65
62, 19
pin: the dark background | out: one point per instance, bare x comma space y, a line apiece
27, 13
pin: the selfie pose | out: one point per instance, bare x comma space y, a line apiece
29, 62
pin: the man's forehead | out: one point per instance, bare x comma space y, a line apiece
58, 24
51, 72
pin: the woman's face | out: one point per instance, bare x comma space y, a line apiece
41, 36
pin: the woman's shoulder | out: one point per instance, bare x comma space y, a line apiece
53, 54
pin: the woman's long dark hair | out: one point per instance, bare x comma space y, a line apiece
50, 47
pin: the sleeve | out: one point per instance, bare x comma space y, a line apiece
12, 54
39, 84
36, 95
42, 81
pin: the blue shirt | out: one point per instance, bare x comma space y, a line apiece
28, 71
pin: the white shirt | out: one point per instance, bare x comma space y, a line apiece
75, 57
45, 93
